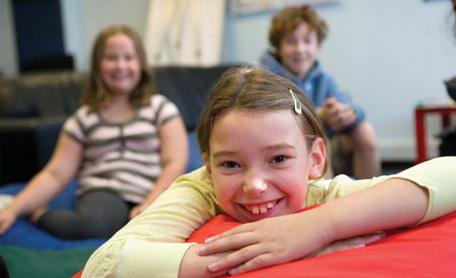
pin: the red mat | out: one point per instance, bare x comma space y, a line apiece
428, 250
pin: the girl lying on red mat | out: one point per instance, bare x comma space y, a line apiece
265, 157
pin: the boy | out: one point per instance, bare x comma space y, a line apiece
296, 34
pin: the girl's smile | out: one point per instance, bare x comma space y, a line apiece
260, 163
257, 211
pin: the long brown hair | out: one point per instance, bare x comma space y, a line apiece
253, 89
96, 94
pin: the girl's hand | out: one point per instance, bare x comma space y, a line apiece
351, 243
137, 210
7, 219
194, 265
268, 242
273, 241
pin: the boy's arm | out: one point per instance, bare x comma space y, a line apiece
421, 193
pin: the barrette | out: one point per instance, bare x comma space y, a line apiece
297, 103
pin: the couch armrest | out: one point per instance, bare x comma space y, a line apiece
25, 146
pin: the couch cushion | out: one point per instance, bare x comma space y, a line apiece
41, 95
188, 88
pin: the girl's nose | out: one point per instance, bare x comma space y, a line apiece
120, 63
254, 186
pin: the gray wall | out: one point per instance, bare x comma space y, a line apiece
8, 64
387, 54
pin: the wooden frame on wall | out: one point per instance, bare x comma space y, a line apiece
249, 7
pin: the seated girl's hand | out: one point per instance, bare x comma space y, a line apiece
138, 209
268, 242
7, 219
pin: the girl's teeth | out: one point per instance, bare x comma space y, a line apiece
263, 208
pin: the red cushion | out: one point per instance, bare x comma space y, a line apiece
426, 250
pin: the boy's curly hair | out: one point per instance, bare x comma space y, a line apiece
289, 18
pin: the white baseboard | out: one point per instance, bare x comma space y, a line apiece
404, 150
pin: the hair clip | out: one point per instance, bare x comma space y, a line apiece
297, 103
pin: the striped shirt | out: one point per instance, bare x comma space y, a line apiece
121, 156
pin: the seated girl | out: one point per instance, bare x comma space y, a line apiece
265, 156
125, 145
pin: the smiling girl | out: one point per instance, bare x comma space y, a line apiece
125, 145
264, 152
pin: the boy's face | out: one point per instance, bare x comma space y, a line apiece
260, 163
298, 50
120, 66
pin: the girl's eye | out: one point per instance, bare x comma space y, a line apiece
230, 164
130, 57
110, 57
279, 159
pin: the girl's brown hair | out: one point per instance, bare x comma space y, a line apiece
252, 89
289, 18
96, 94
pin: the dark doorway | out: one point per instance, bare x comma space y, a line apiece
39, 36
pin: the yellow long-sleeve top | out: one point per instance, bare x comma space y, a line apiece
153, 243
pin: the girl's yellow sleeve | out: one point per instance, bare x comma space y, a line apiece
153, 243
436, 176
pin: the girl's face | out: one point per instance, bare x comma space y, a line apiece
260, 163
298, 50
120, 66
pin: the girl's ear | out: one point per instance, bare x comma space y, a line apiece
317, 158
206, 162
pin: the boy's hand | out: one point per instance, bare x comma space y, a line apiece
267, 242
337, 114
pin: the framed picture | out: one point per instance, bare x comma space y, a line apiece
248, 7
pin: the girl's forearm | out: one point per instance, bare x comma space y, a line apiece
392, 204
38, 192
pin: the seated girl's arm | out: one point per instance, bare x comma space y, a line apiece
174, 157
47, 183
419, 194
